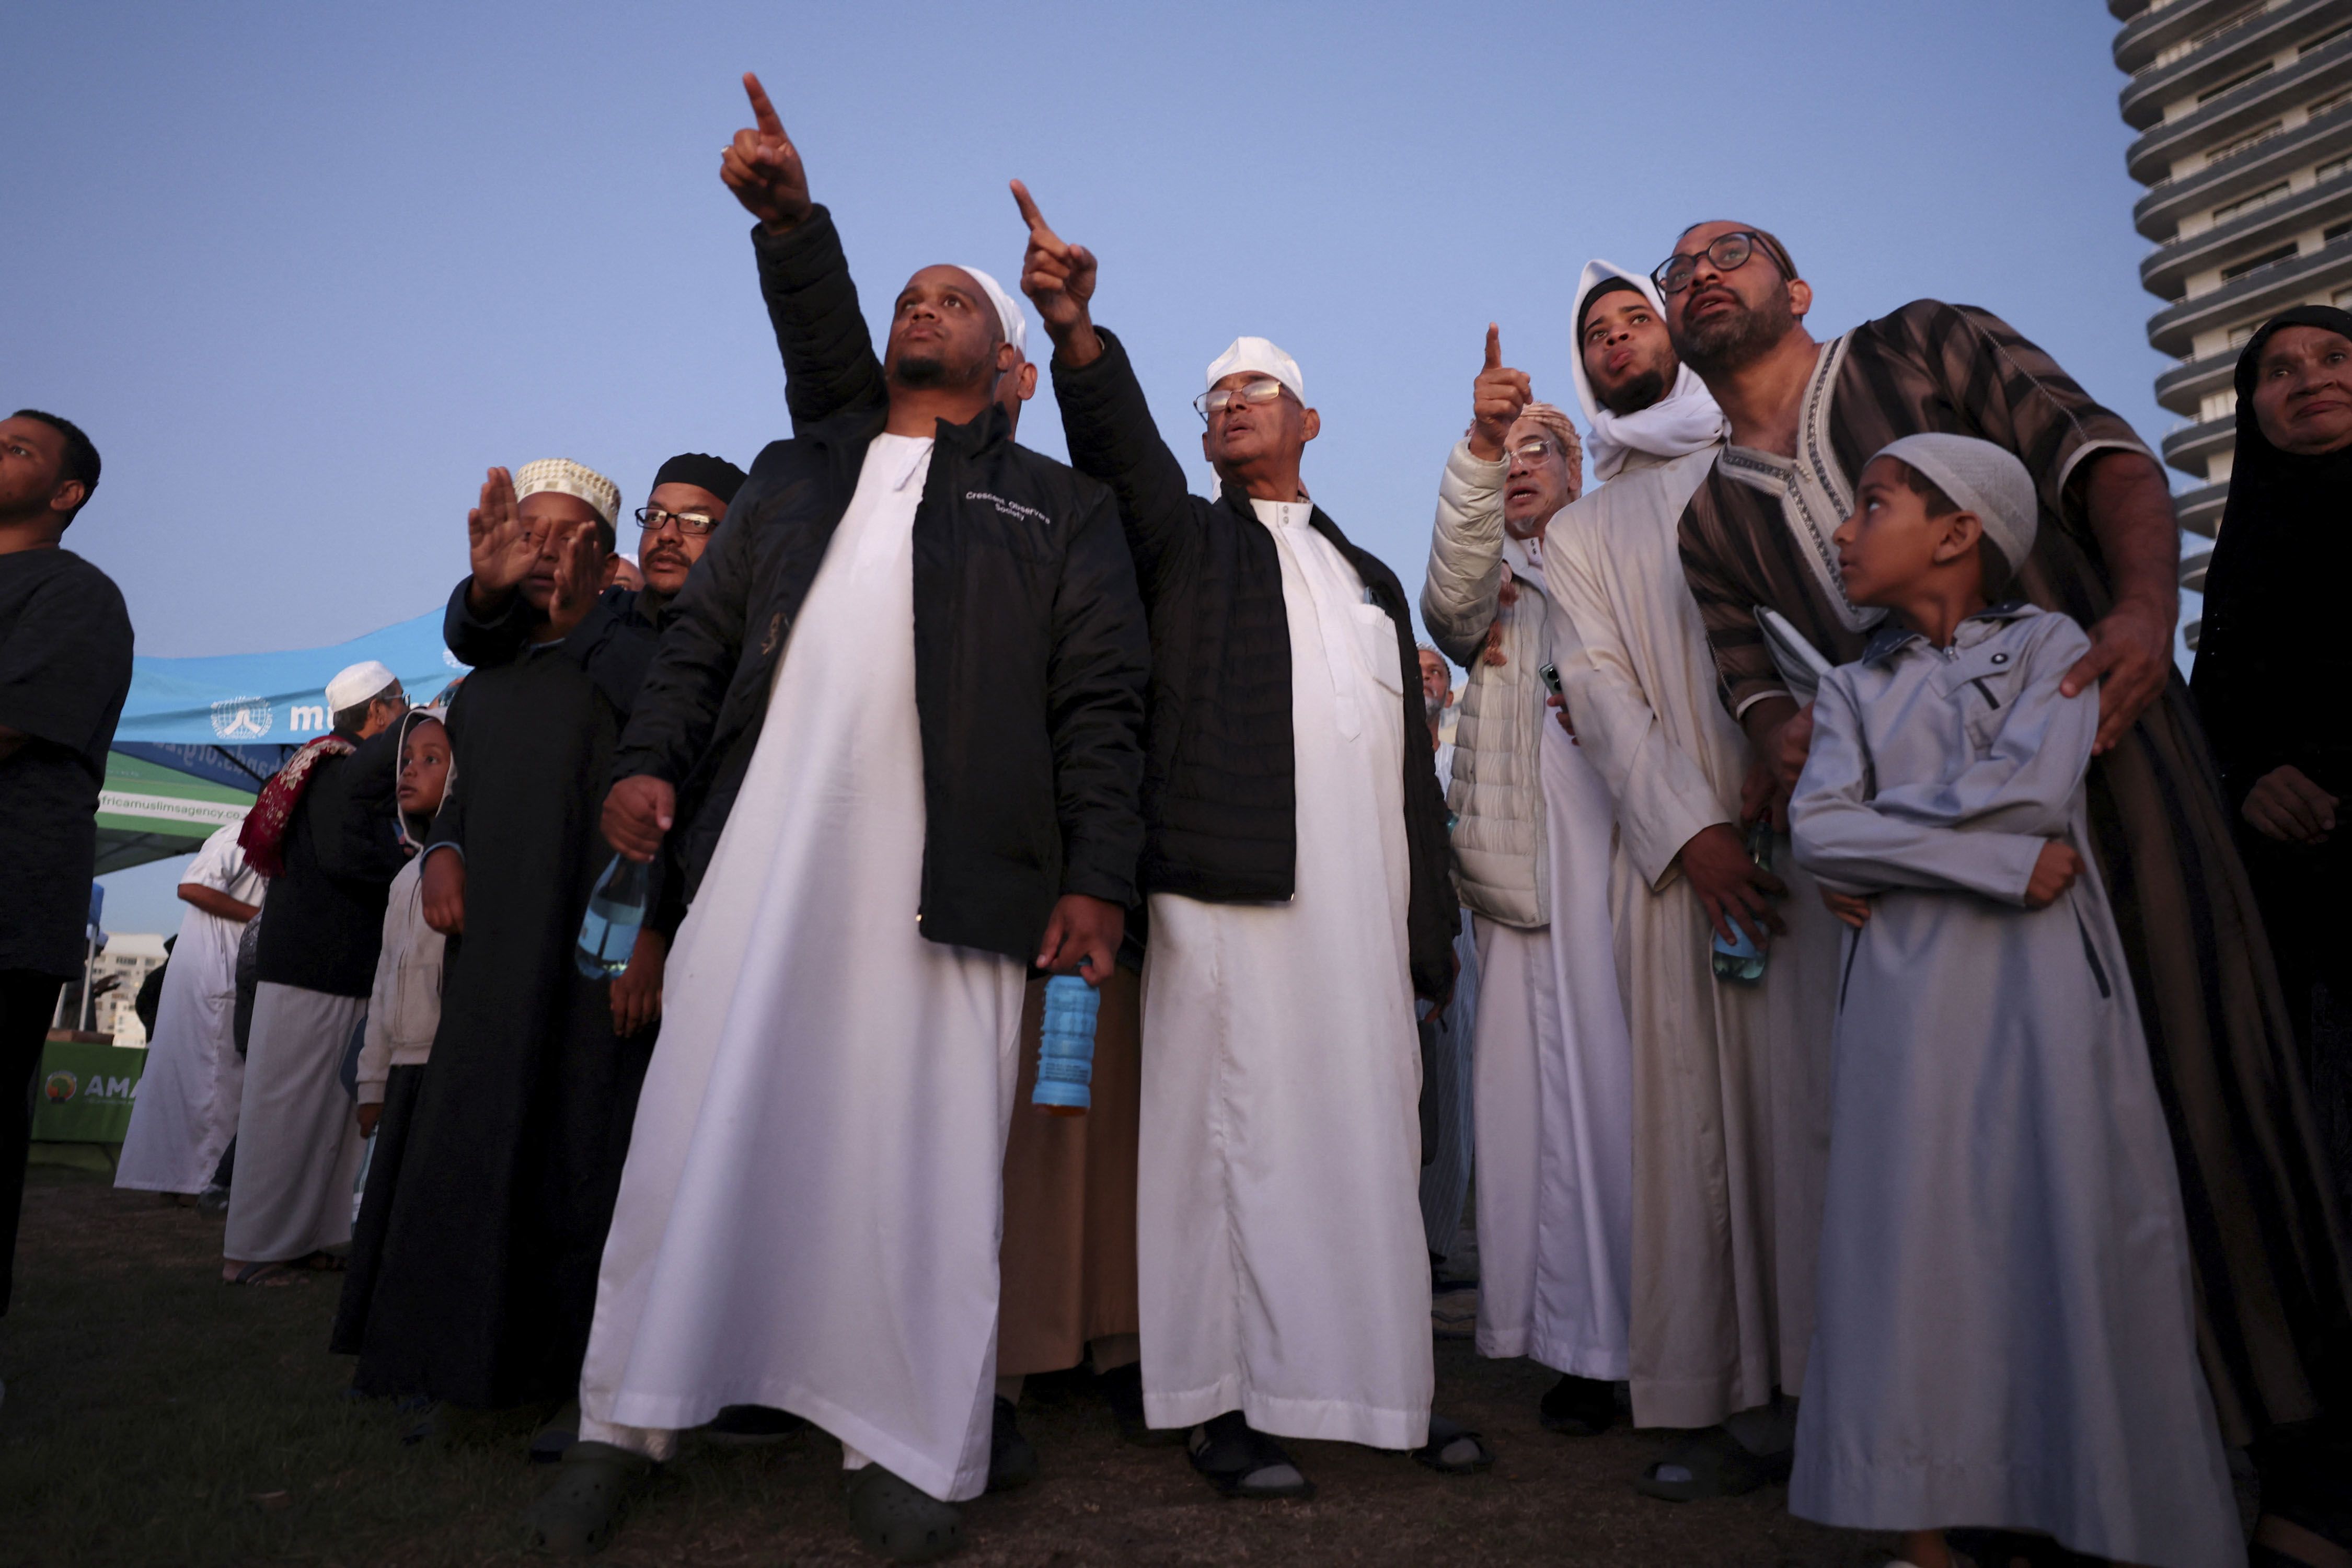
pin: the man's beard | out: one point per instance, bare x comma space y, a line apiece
1432, 707
1635, 395
1735, 339
924, 371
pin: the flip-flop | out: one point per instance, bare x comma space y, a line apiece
897, 1520
1442, 1452
1241, 1461
1720, 1466
272, 1274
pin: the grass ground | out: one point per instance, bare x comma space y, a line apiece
155, 1418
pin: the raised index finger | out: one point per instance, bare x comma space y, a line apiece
761, 110
1494, 346
1029, 213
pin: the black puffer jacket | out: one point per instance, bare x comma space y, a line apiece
1220, 797
1029, 656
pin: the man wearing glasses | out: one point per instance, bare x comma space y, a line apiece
1805, 415
1531, 851
1295, 859
689, 500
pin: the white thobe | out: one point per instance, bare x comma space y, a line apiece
185, 1111
810, 1212
1730, 1081
1555, 1102
1280, 1249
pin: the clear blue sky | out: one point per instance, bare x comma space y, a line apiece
304, 271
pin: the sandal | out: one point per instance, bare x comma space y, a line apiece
267, 1273
1446, 1452
578, 1514
1241, 1461
897, 1520
1717, 1465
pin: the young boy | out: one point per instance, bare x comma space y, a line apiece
2004, 1337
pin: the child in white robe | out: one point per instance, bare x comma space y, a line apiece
2004, 1337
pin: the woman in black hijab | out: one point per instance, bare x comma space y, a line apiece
2274, 674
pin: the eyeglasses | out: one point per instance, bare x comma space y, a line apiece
1536, 448
1725, 253
694, 523
1217, 399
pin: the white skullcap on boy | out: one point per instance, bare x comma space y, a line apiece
1008, 309
566, 477
356, 685
1981, 478
1258, 354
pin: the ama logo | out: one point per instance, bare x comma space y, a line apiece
61, 1086
243, 718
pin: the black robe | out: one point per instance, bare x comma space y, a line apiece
477, 1280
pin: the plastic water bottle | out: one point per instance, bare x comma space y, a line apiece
616, 908
1066, 1047
1741, 959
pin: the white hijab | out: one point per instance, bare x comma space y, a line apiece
1684, 420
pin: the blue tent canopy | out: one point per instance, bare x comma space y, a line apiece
238, 699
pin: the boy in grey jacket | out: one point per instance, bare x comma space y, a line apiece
2004, 1330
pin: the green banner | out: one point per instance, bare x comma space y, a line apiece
84, 1093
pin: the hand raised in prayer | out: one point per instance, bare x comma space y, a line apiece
1059, 279
580, 564
1082, 937
2286, 805
2054, 871
1498, 396
640, 809
637, 990
442, 885
502, 552
763, 167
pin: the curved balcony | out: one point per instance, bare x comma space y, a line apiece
2158, 214
2184, 388
2199, 511
2192, 447
2165, 273
2227, 53
2124, 10
2251, 296
2143, 37
2242, 108
2192, 570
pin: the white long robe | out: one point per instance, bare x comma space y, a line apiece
1280, 1246
1730, 1081
810, 1214
185, 1111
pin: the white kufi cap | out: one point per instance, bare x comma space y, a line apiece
1981, 478
566, 477
1008, 309
1258, 354
357, 684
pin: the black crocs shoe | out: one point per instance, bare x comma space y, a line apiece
593, 1487
894, 1519
1011, 1459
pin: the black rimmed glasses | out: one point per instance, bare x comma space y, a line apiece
1725, 253
1217, 399
696, 523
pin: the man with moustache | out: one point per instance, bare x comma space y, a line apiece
1531, 836
1726, 1143
1294, 857
893, 728
2269, 1258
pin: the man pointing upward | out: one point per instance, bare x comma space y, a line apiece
1294, 861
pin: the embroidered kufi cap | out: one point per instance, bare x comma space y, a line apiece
566, 477
1981, 478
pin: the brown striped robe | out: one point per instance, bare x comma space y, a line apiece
2271, 1266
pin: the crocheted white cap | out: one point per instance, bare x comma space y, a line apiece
1981, 478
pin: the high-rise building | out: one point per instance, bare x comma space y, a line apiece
2244, 114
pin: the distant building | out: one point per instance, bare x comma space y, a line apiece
2244, 110
134, 956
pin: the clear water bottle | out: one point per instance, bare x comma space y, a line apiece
616, 910
1066, 1047
1742, 959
